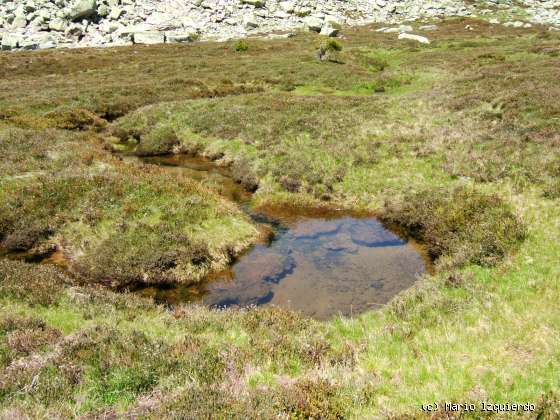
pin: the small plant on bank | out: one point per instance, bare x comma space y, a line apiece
241, 46
329, 51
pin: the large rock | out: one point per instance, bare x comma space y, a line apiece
328, 30
250, 21
314, 23
20, 21
58, 25
180, 37
256, 3
164, 21
82, 9
29, 44
11, 41
148, 37
400, 29
287, 6
115, 13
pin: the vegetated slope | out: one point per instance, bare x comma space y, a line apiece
456, 141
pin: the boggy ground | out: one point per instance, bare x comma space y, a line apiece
457, 142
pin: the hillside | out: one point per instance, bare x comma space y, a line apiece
453, 144
80, 23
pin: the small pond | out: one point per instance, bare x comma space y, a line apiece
321, 265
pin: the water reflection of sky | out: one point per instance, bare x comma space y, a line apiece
321, 267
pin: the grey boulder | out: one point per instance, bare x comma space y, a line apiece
82, 9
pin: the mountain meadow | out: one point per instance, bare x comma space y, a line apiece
455, 143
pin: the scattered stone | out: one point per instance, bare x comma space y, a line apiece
418, 38
518, 24
313, 23
81, 23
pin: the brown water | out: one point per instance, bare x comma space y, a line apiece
321, 264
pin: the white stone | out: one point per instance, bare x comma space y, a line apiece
250, 21
148, 37
397, 30
81, 9
115, 13
328, 30
57, 25
11, 41
287, 6
313, 23
20, 21
256, 3
413, 37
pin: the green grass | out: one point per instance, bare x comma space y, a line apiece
460, 148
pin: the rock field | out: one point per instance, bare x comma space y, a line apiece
33, 24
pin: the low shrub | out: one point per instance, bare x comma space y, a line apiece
241, 46
159, 141
35, 285
74, 119
329, 50
461, 223
333, 45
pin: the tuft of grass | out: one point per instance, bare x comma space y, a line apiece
329, 50
241, 46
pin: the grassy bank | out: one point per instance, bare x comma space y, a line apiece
456, 141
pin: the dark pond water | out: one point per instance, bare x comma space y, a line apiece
320, 264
